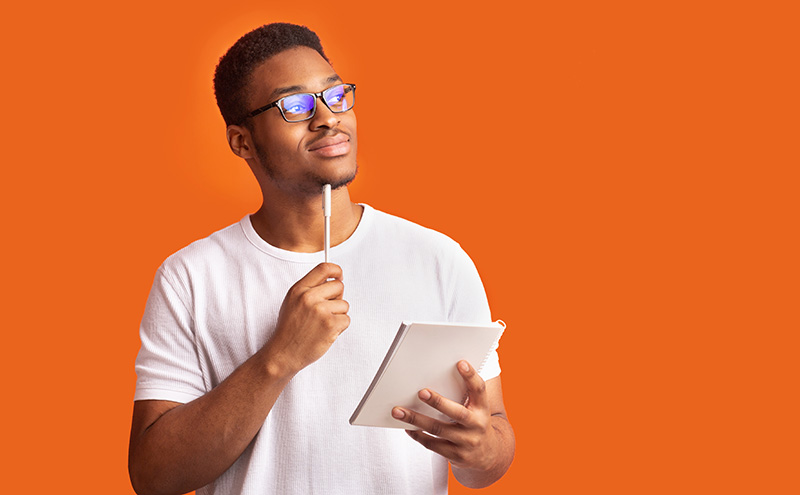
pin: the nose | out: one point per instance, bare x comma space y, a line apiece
323, 117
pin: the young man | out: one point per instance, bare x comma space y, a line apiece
252, 359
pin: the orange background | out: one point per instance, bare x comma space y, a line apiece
624, 174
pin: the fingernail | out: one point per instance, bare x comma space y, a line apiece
398, 413
424, 394
463, 366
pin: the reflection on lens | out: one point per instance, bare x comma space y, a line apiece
297, 106
334, 97
339, 98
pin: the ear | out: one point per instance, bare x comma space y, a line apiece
240, 141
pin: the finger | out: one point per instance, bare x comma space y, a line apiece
336, 306
320, 274
443, 447
332, 289
476, 387
430, 425
450, 408
337, 324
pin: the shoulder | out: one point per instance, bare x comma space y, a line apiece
433, 260
411, 244
203, 254
405, 231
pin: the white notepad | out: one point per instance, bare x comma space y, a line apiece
424, 355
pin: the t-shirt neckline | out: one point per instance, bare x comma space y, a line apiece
316, 257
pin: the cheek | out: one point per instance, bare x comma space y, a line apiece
283, 142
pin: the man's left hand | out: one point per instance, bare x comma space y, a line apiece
472, 442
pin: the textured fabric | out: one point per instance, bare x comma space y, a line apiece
215, 303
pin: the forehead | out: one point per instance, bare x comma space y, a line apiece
299, 69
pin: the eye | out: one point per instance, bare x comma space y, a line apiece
335, 95
298, 104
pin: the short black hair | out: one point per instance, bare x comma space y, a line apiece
251, 50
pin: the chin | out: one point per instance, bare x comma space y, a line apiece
345, 181
339, 182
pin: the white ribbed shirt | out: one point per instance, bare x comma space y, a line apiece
214, 303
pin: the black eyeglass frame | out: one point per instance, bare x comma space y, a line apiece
316, 96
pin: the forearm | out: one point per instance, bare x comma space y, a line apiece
193, 444
504, 445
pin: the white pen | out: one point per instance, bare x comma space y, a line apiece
326, 210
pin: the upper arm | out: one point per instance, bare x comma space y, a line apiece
168, 366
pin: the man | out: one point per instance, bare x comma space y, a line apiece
252, 360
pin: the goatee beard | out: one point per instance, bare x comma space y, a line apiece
312, 183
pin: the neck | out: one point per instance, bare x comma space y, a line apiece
297, 223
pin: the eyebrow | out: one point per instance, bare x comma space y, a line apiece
297, 88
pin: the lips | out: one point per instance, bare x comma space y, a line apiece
336, 145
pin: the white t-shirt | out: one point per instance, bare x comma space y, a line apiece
215, 303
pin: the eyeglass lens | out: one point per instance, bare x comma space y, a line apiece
301, 106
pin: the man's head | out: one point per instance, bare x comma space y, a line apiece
236, 67
263, 85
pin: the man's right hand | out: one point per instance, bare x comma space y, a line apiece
177, 448
312, 316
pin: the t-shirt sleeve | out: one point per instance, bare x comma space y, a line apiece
167, 367
469, 304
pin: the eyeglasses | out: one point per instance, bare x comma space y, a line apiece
303, 106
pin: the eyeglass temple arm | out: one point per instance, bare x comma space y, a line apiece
262, 109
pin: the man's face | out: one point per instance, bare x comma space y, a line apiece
301, 156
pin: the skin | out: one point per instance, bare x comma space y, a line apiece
479, 442
176, 448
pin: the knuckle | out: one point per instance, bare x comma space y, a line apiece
306, 298
478, 420
472, 442
294, 292
324, 322
435, 429
320, 312
436, 401
330, 323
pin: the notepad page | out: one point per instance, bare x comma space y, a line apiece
424, 355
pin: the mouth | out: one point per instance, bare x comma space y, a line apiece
330, 146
